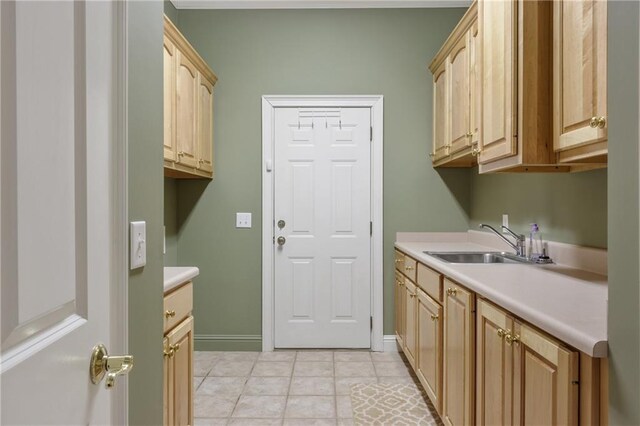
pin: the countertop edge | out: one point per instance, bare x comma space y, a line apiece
178, 275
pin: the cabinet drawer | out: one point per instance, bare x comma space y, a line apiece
177, 305
430, 281
399, 261
409, 268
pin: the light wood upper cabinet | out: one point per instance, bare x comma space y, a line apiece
205, 125
410, 307
459, 334
453, 70
580, 80
440, 115
494, 364
188, 108
169, 70
516, 51
475, 85
429, 357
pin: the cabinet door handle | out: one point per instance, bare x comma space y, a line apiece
169, 352
175, 348
169, 313
180, 153
452, 291
598, 122
501, 333
512, 338
412, 295
434, 317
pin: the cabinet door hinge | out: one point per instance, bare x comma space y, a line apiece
370, 228
371, 323
371, 134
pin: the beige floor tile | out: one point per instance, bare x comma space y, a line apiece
405, 380
343, 384
348, 356
310, 407
313, 369
355, 369
196, 382
231, 368
210, 422
277, 356
239, 356
213, 406
309, 422
272, 369
387, 357
392, 369
312, 386
343, 407
346, 422
260, 407
254, 422
272, 386
222, 386
203, 366
315, 356
206, 356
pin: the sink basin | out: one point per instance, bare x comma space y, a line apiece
476, 257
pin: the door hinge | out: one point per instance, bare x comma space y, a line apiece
370, 228
370, 133
371, 323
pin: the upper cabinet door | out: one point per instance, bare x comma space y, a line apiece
580, 76
186, 89
169, 91
459, 136
474, 84
205, 125
440, 106
498, 22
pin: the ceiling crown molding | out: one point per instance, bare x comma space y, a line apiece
317, 4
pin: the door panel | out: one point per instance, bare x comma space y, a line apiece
429, 368
56, 223
169, 92
498, 23
458, 70
205, 125
580, 63
399, 307
411, 305
186, 89
322, 193
440, 106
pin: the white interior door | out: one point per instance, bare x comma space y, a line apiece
322, 196
57, 87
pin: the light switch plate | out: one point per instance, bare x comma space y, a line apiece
138, 246
243, 220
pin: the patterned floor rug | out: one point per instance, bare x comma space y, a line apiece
392, 404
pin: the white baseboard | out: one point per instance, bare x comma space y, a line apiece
390, 344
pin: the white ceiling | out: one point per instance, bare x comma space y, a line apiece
316, 4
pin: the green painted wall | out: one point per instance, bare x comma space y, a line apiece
145, 203
171, 11
624, 239
171, 222
569, 207
256, 53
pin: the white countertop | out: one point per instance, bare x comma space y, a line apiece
568, 303
176, 275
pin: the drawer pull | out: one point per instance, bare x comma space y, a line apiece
399, 260
169, 313
408, 268
452, 291
434, 317
512, 338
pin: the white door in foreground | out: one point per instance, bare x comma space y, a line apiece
322, 241
57, 90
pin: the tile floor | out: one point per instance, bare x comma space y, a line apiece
288, 387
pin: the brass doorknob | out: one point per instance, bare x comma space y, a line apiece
281, 240
102, 364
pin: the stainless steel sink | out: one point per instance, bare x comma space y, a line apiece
476, 257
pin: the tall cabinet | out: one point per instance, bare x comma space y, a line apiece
188, 108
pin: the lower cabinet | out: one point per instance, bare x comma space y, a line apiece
524, 377
429, 363
411, 305
479, 364
178, 357
459, 360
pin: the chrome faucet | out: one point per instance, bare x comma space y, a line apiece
519, 246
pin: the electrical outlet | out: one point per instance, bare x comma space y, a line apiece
505, 222
243, 220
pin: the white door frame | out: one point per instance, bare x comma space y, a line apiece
269, 104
